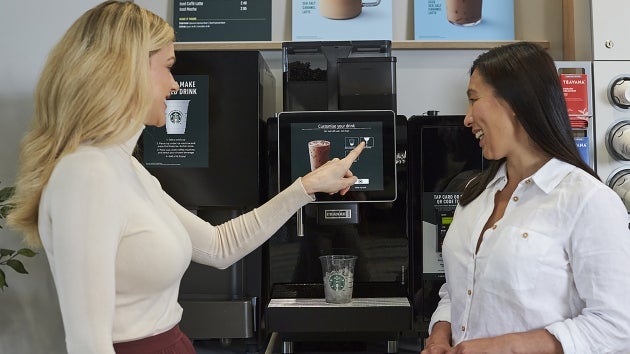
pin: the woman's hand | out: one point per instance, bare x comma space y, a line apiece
439, 342
538, 341
436, 349
334, 176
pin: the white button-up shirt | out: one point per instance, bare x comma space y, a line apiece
559, 259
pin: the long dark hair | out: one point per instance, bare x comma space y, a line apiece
525, 76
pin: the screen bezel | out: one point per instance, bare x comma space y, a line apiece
387, 118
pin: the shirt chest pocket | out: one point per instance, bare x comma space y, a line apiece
514, 259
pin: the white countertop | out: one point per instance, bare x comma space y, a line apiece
356, 302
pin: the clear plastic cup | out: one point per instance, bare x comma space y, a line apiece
338, 271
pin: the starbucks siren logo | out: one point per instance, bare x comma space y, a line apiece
175, 116
337, 281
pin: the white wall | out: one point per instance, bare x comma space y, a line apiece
29, 315
427, 80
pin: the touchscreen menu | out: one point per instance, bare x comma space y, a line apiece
309, 139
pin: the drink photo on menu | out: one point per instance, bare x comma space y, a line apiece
481, 20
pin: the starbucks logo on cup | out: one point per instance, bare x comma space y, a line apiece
337, 282
175, 116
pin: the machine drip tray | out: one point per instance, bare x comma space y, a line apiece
378, 310
205, 317
316, 290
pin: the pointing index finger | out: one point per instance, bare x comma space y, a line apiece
352, 155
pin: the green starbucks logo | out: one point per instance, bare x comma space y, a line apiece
337, 282
175, 117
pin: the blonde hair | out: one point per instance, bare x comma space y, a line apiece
95, 89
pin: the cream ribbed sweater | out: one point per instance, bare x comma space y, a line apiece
118, 245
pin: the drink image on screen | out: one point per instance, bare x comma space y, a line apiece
463, 12
318, 152
176, 116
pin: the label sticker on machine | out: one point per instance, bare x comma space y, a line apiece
338, 214
183, 142
437, 215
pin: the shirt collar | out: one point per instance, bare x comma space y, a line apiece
501, 176
549, 176
129, 145
546, 178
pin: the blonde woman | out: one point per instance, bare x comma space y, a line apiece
117, 244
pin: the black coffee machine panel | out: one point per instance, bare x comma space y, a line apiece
443, 156
373, 225
338, 75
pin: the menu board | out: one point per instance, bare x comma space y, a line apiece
222, 20
478, 20
183, 141
334, 20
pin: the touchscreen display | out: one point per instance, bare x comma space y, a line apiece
309, 139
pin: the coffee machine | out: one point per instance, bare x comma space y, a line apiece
230, 94
443, 156
333, 81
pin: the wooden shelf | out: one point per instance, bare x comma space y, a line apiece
410, 44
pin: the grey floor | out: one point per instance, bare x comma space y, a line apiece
405, 346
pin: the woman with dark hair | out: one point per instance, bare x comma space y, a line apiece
536, 257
